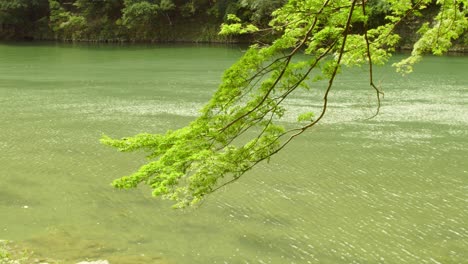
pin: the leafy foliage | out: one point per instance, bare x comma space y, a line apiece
123, 19
139, 14
449, 24
65, 22
258, 11
20, 17
145, 19
240, 127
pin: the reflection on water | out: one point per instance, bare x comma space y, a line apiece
386, 190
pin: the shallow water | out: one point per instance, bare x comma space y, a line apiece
392, 189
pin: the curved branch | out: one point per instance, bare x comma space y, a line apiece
288, 60
369, 58
324, 109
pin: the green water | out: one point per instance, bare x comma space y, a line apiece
388, 190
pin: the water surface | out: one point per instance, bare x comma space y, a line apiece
392, 189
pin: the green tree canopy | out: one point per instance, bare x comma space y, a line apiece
239, 127
19, 16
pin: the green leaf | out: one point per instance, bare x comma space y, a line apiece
305, 117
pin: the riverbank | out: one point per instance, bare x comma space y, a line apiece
14, 253
208, 34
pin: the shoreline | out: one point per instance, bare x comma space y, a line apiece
455, 49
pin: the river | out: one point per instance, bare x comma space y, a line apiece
392, 189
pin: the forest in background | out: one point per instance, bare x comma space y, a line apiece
157, 20
127, 20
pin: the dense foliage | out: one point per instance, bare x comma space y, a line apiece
241, 125
125, 20
151, 20
21, 17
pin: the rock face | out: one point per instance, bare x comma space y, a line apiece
94, 262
